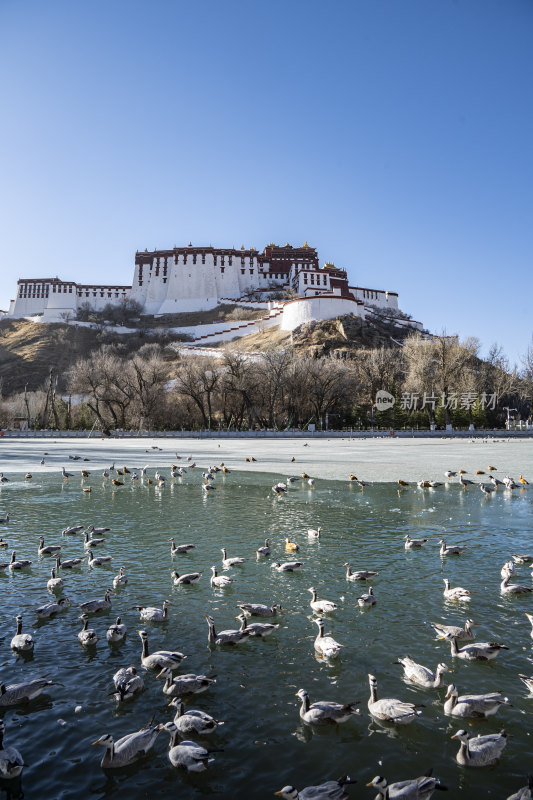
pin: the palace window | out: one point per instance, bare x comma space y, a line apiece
305, 279
230, 260
203, 258
222, 269
194, 258
242, 272
164, 280
324, 280
251, 272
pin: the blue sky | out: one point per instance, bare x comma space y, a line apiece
393, 135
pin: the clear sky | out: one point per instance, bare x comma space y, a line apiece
396, 136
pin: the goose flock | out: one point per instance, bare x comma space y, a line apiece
179, 690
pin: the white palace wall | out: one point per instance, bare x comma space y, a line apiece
298, 312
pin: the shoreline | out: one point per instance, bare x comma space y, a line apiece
328, 457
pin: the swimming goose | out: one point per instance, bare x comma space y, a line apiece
54, 584
161, 659
94, 606
321, 606
324, 711
527, 681
291, 547
258, 629
530, 618
152, 614
422, 676
117, 632
451, 550
22, 563
180, 548
330, 790
522, 558
193, 721
219, 581
508, 569
98, 531
227, 637
97, 561
465, 634
513, 588
186, 580
66, 474
21, 642
3, 543
230, 562
279, 488
416, 789
390, 709
287, 566
72, 529
525, 793
477, 706
50, 550
87, 637
121, 579
325, 646
259, 610
481, 651
410, 543
90, 542
264, 551
208, 487
184, 684
129, 748
4, 520
187, 755
481, 751
50, 609
368, 599
457, 594
127, 683
314, 534
71, 563
22, 692
11, 762
360, 574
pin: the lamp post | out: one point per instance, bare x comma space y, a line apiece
508, 423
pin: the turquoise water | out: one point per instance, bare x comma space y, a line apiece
265, 745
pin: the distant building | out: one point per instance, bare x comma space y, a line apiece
200, 278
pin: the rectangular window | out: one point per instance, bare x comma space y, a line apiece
222, 269
242, 272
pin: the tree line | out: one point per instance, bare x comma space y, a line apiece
435, 381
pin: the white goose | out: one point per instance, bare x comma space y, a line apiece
87, 637
11, 762
465, 634
360, 574
116, 633
94, 606
330, 790
456, 595
507, 588
389, 709
264, 551
368, 599
187, 755
191, 721
152, 614
415, 789
127, 683
161, 659
18, 693
260, 610
49, 550
186, 580
259, 629
184, 684
230, 562
410, 543
321, 606
121, 579
50, 609
128, 749
452, 549
227, 637
326, 646
481, 751
21, 642
481, 651
287, 566
179, 549
54, 584
324, 711
99, 561
71, 563
314, 533
422, 676
219, 581
477, 706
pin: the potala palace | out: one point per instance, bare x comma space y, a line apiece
186, 279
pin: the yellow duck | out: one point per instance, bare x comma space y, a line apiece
523, 481
291, 547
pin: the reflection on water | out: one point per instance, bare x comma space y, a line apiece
265, 744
